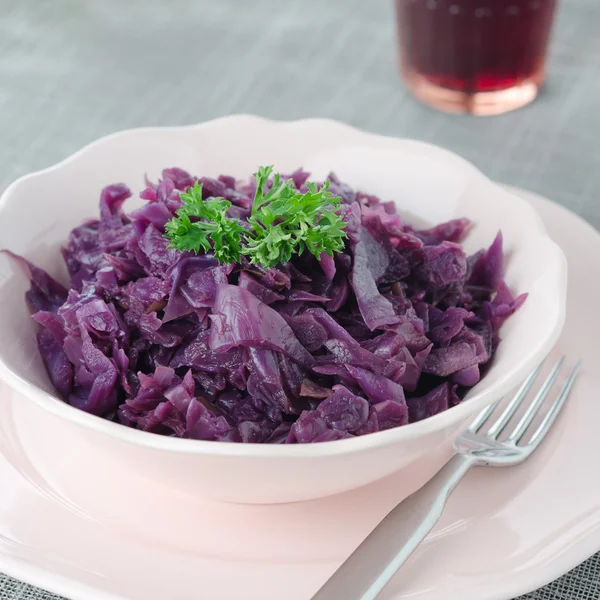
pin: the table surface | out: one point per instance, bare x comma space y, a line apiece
74, 70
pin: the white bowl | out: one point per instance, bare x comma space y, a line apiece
74, 451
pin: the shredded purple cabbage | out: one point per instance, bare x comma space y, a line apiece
395, 329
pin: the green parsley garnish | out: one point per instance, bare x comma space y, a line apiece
284, 222
210, 228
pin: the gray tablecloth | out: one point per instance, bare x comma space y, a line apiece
73, 70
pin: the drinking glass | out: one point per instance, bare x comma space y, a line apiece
482, 57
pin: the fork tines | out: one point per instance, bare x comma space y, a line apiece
522, 427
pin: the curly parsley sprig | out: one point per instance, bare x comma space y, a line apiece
284, 222
204, 224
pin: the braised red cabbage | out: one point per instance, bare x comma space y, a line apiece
395, 329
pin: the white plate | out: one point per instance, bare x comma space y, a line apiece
504, 532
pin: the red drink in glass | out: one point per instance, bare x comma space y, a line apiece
477, 56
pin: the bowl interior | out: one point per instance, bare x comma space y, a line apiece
429, 184
431, 187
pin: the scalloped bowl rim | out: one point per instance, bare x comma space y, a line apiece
452, 416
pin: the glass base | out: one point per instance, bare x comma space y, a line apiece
477, 103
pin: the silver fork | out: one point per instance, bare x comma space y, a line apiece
370, 567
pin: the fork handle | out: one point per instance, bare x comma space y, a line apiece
370, 567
